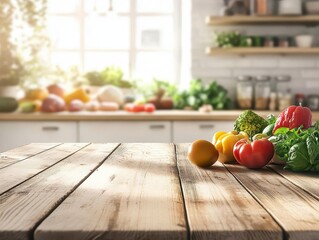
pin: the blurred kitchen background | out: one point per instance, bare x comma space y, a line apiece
89, 57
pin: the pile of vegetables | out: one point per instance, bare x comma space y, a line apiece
165, 95
290, 138
296, 141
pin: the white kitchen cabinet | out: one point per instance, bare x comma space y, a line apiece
125, 131
191, 130
14, 134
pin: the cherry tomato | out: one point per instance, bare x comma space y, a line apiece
138, 108
254, 154
129, 107
149, 107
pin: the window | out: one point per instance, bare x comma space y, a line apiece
142, 37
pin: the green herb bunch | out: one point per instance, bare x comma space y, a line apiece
298, 148
198, 95
110, 75
227, 39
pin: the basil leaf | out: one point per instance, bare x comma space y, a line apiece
298, 158
313, 148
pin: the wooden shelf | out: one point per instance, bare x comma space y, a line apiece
261, 50
253, 20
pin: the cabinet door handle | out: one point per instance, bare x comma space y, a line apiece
50, 128
206, 126
159, 126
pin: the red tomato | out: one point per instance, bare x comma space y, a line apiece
138, 108
253, 155
129, 107
149, 107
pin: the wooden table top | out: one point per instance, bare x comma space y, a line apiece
148, 191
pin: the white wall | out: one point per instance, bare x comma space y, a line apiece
303, 69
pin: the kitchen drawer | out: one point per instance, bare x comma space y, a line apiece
14, 134
192, 130
111, 131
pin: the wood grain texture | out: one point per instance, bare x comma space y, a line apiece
17, 173
22, 208
295, 210
218, 207
307, 181
22, 153
135, 194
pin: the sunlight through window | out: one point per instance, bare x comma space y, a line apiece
139, 36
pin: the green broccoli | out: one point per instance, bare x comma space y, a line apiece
250, 122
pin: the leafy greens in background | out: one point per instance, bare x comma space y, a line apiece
298, 148
198, 95
194, 97
108, 76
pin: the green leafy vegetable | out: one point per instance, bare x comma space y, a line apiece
312, 143
298, 159
227, 39
298, 148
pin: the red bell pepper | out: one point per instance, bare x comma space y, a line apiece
294, 117
254, 154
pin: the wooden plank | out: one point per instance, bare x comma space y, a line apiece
22, 153
24, 207
295, 210
17, 173
307, 181
255, 20
261, 50
218, 207
135, 194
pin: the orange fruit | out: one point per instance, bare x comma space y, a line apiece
36, 94
202, 153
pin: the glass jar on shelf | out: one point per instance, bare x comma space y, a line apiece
263, 7
313, 102
284, 100
283, 91
273, 101
244, 91
262, 92
282, 83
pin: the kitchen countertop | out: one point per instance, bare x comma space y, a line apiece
148, 191
160, 115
